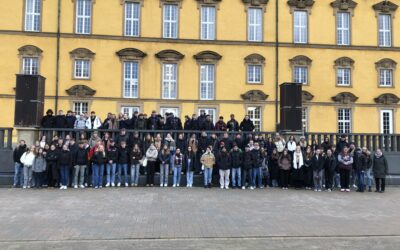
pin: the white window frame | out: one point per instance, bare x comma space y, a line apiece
254, 24
83, 19
385, 30
207, 82
169, 81
385, 77
254, 73
343, 28
79, 107
170, 22
344, 117
30, 65
132, 19
387, 128
207, 22
305, 118
212, 112
33, 10
256, 118
300, 74
174, 110
129, 110
343, 77
131, 79
82, 68
300, 26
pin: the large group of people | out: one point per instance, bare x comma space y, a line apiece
100, 159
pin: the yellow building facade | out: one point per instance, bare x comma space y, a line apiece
222, 56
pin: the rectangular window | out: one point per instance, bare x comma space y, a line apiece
212, 112
255, 19
207, 23
82, 69
304, 119
254, 73
170, 23
30, 65
387, 121
207, 81
255, 115
385, 30
32, 15
131, 79
344, 121
80, 107
170, 81
129, 110
83, 16
385, 77
343, 28
164, 110
343, 77
132, 19
300, 74
300, 26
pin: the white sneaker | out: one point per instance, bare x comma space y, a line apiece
28, 187
119, 184
65, 187
342, 190
319, 190
76, 186
24, 187
108, 184
243, 187
62, 187
165, 185
226, 187
126, 184
174, 185
251, 188
161, 185
82, 186
177, 185
112, 184
315, 190
222, 187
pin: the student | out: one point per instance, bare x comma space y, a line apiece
345, 161
366, 154
81, 162
307, 169
18, 166
165, 160
123, 159
247, 167
285, 165
274, 168
189, 165
236, 164
52, 161
98, 159
151, 155
298, 163
64, 164
224, 164
135, 158
207, 160
178, 161
330, 168
291, 145
380, 170
27, 160
257, 164
38, 168
112, 158
317, 164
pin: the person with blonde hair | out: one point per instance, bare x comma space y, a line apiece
27, 159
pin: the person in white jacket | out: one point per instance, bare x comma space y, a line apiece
27, 159
93, 121
297, 167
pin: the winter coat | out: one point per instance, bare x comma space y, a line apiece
189, 160
65, 158
366, 161
220, 126
207, 126
80, 123
52, 156
317, 164
98, 158
151, 153
223, 161
232, 125
60, 121
257, 158
298, 160
112, 154
330, 163
123, 155
141, 124
181, 144
93, 125
380, 166
246, 125
27, 159
345, 161
236, 158
208, 160
178, 159
47, 121
285, 162
247, 160
280, 145
135, 157
70, 120
81, 157
39, 165
171, 144
18, 152
164, 157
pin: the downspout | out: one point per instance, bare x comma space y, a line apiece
276, 62
58, 55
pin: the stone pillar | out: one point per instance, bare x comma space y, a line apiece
29, 134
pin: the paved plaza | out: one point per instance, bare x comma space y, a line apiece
167, 218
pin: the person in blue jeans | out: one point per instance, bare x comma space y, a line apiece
123, 159
207, 160
165, 159
18, 166
367, 160
98, 159
236, 157
112, 156
257, 164
64, 163
189, 165
178, 161
135, 157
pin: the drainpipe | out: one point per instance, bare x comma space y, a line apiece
58, 54
276, 62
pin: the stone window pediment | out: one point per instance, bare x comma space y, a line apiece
82, 53
385, 7
344, 5
254, 96
30, 50
306, 96
300, 61
387, 99
213, 2
81, 91
345, 98
131, 54
207, 57
254, 59
258, 3
300, 5
344, 62
386, 63
170, 55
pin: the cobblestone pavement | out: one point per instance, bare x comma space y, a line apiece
153, 218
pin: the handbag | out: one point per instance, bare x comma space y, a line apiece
143, 162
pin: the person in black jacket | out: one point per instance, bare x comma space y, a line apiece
194, 123
123, 161
257, 167
52, 162
247, 167
246, 125
60, 121
207, 125
189, 160
330, 168
48, 120
317, 164
64, 163
70, 119
80, 160
18, 166
112, 157
98, 160
224, 163
187, 123
236, 164
232, 124
136, 156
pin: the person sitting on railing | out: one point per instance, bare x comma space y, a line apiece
172, 122
220, 125
80, 123
246, 125
232, 124
153, 122
194, 123
141, 123
207, 125
70, 119
48, 119
105, 122
60, 121
93, 122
